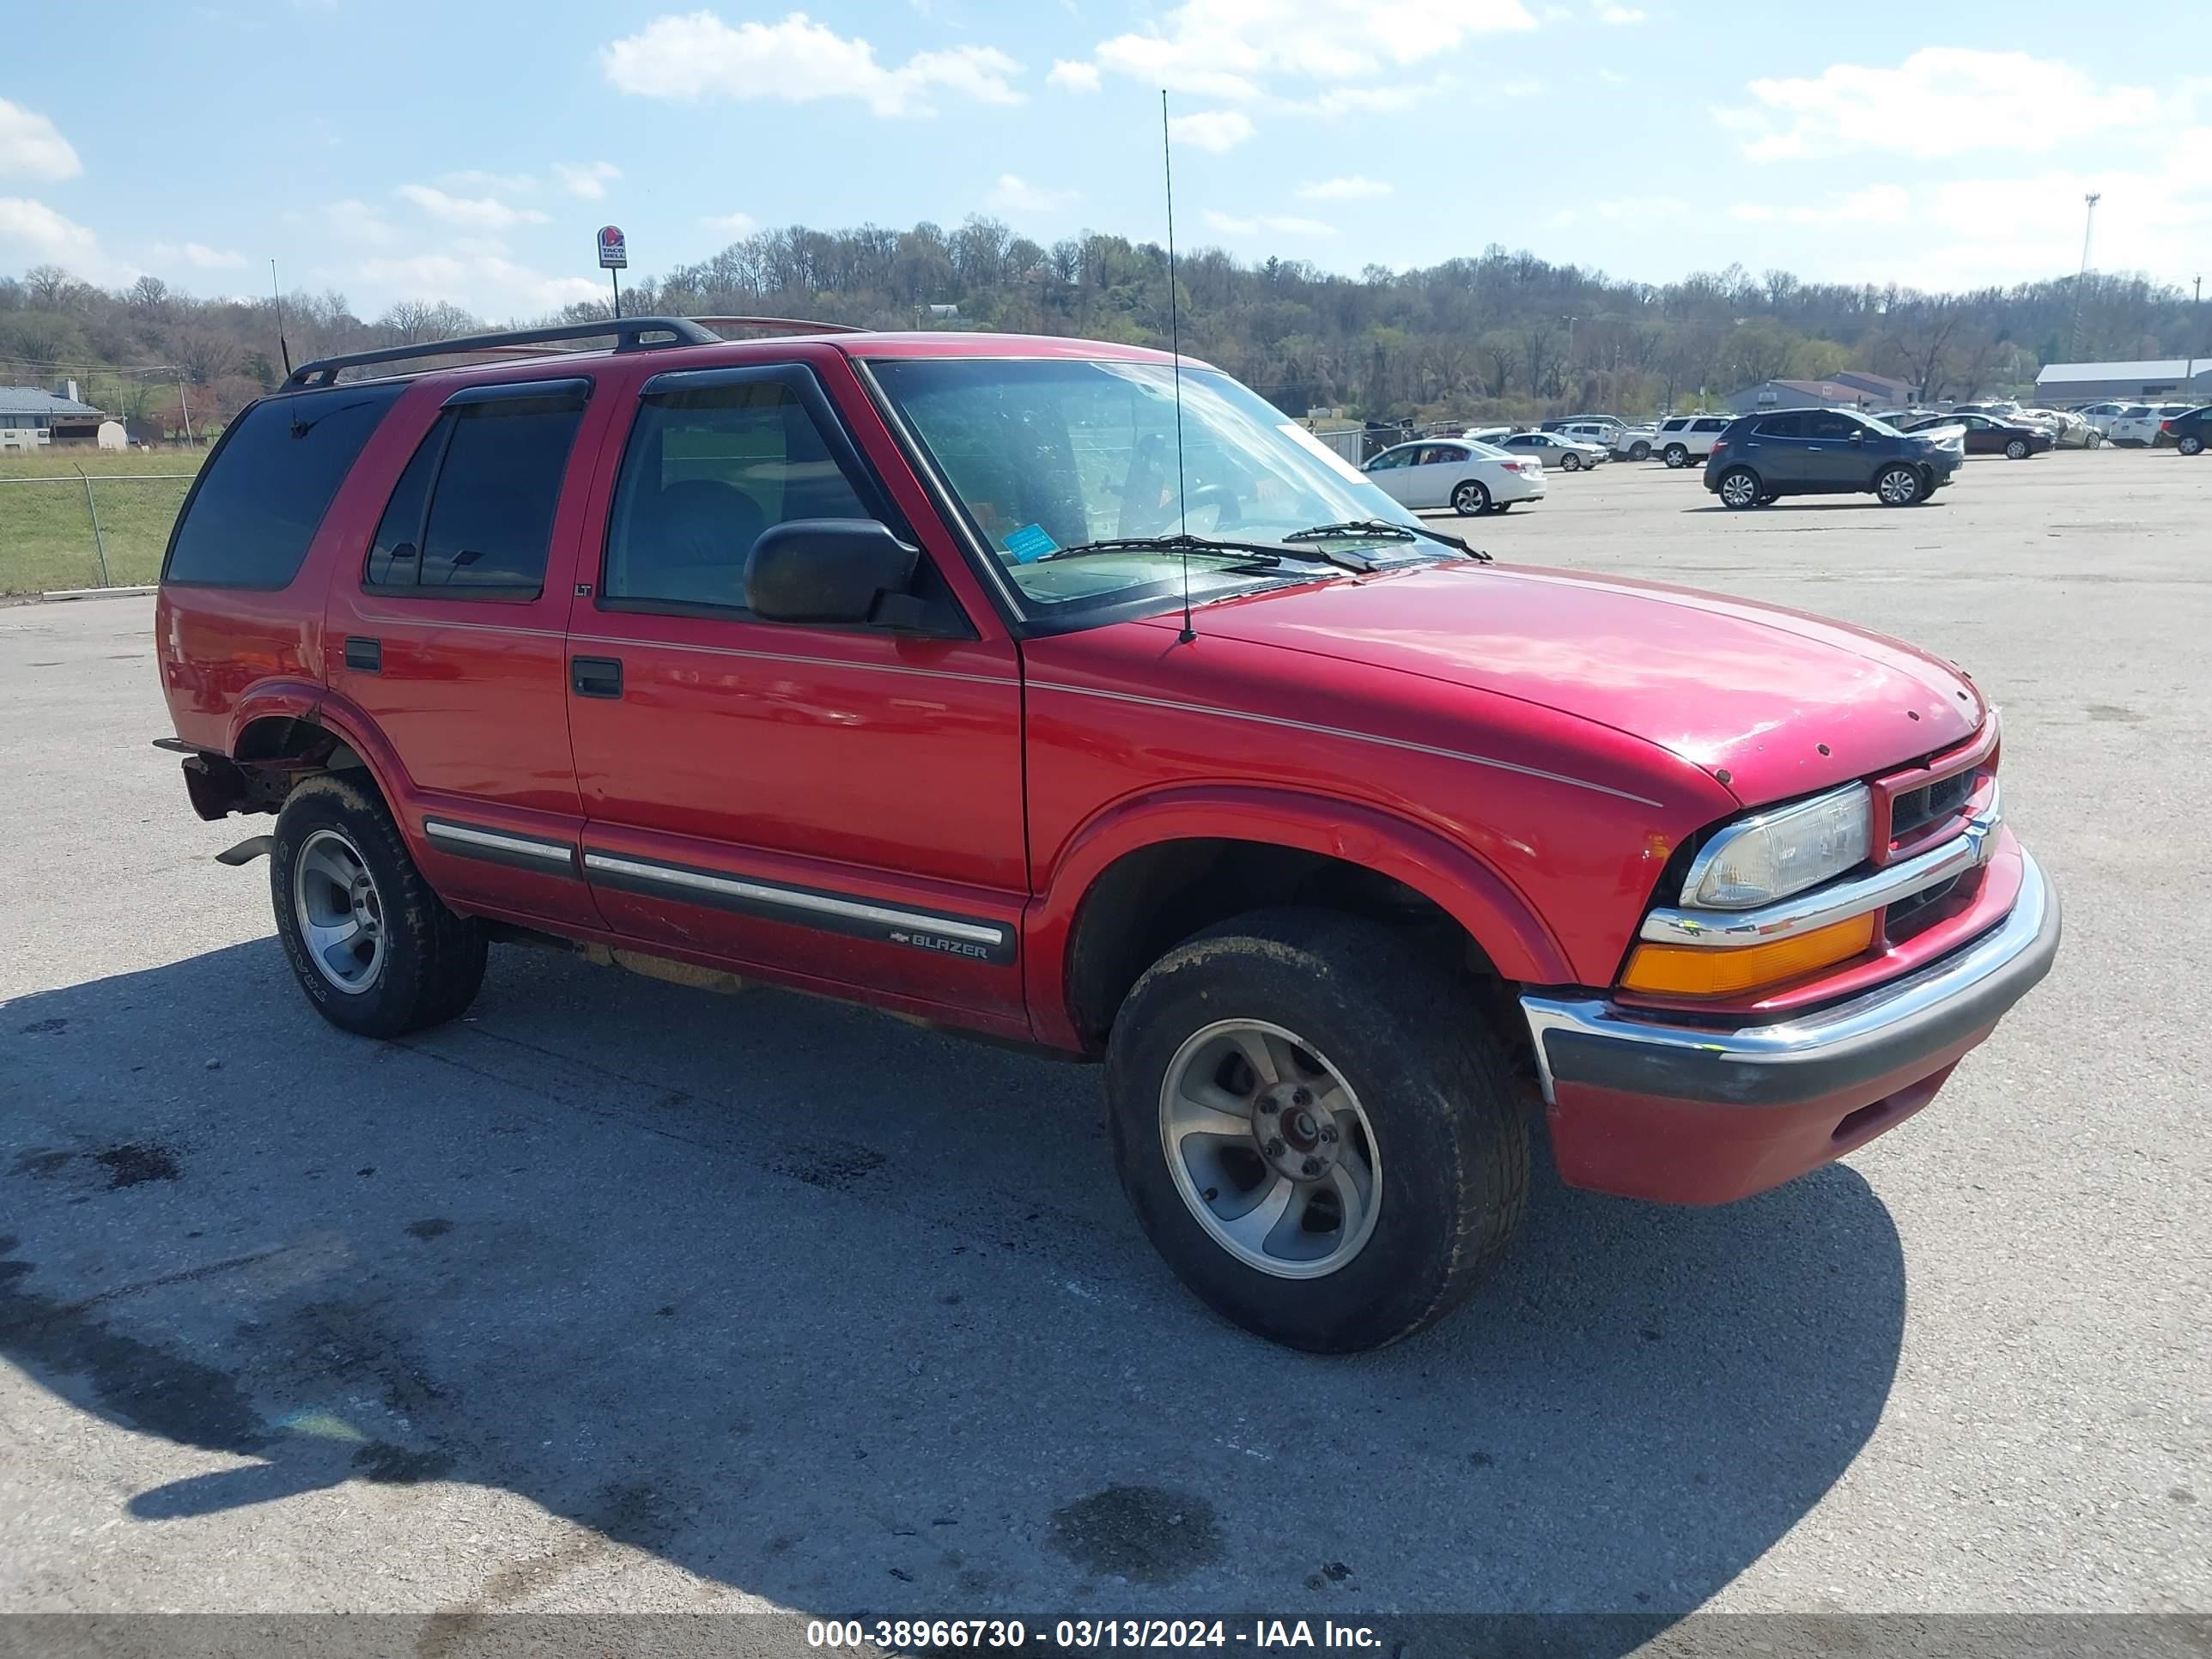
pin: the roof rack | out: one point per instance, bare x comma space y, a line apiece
629, 334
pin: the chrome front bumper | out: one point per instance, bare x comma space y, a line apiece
1593, 1042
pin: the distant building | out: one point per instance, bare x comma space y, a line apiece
32, 419
1848, 389
2157, 377
112, 436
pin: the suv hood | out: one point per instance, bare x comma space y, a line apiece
1773, 703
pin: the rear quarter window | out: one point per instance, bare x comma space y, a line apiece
263, 493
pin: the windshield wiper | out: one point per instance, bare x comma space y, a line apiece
1383, 527
1246, 553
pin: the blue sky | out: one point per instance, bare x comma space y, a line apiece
464, 151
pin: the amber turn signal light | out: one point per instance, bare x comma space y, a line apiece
1694, 970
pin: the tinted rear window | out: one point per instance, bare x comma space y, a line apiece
258, 502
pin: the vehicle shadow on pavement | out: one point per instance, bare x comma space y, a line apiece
850, 1316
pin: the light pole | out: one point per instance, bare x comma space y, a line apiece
2196, 310
2074, 341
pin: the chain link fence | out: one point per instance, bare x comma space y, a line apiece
63, 527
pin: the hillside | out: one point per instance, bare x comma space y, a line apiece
1501, 335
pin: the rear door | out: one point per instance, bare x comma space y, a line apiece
448, 631
1773, 446
838, 806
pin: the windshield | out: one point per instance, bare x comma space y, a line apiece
1054, 454
1881, 426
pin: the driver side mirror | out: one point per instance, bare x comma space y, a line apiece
828, 570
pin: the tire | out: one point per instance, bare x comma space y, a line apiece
1350, 1009
1738, 487
2192, 445
1571, 462
2017, 450
411, 963
1639, 451
1675, 456
1898, 486
1469, 497
2094, 440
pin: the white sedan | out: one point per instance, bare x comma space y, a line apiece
1568, 455
1468, 477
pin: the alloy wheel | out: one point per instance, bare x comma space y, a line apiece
338, 911
1270, 1149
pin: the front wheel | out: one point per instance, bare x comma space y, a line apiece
1676, 457
2192, 445
1897, 486
1639, 451
2094, 440
2016, 450
1740, 489
1315, 1128
1571, 462
1470, 498
376, 951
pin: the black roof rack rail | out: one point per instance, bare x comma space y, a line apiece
629, 334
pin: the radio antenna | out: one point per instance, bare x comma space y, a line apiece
277, 295
1175, 345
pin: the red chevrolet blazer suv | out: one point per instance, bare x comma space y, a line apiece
1056, 693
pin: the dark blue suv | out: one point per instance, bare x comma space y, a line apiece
1825, 452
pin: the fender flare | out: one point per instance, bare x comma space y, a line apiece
317, 705
1495, 915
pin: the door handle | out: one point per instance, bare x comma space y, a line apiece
364, 656
596, 677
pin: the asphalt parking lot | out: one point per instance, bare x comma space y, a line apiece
624, 1296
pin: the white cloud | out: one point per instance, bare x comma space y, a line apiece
478, 212
1072, 77
1939, 101
1232, 50
797, 60
1623, 210
1229, 224
1371, 100
1014, 194
1216, 129
1523, 86
1877, 204
1612, 77
587, 179
198, 255
1342, 190
32, 233
356, 221
1609, 13
732, 224
32, 147
501, 183
477, 278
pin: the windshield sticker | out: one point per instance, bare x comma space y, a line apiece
1335, 462
1030, 543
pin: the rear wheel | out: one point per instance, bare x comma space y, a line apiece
1315, 1131
1470, 498
2016, 450
376, 951
1639, 451
1675, 456
1740, 488
1898, 486
2192, 445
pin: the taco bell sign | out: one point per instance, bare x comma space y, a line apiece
614, 252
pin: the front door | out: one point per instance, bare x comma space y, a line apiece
1835, 452
1435, 469
448, 632
838, 806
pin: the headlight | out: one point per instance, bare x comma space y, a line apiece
1770, 855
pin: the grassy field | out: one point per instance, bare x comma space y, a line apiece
46, 532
